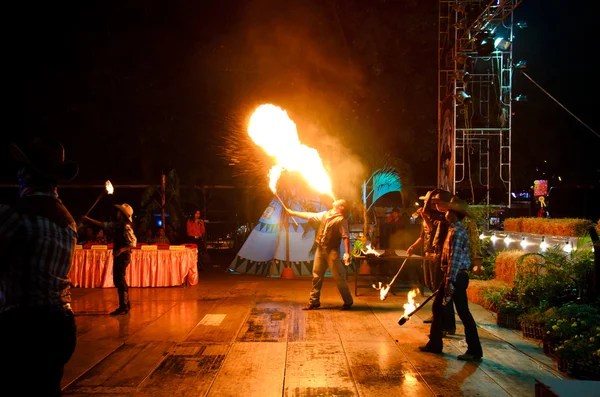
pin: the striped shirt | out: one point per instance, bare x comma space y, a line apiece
455, 255
37, 241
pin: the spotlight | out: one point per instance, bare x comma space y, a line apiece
463, 76
484, 43
520, 98
567, 247
462, 98
521, 65
521, 24
524, 243
501, 44
507, 240
464, 59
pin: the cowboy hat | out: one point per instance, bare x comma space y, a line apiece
126, 210
46, 157
457, 204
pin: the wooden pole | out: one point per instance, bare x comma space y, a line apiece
163, 188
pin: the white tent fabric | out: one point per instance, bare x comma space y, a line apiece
265, 251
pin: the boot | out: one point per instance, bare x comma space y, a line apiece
123, 304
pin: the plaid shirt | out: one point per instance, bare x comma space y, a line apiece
455, 255
35, 257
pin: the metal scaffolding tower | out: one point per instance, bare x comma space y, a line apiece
475, 68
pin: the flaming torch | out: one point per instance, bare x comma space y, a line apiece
383, 290
108, 189
271, 128
406, 316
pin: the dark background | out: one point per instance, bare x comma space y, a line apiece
133, 88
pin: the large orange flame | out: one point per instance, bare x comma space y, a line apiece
271, 128
411, 305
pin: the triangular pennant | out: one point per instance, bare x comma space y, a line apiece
261, 226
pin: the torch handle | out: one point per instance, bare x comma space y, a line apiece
423, 304
285, 208
399, 270
95, 202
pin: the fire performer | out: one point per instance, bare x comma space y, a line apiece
37, 243
124, 241
438, 230
456, 262
333, 229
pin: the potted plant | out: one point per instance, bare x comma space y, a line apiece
573, 334
508, 314
534, 322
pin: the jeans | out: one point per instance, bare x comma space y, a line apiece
461, 303
120, 264
324, 258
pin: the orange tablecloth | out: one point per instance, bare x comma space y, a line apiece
160, 268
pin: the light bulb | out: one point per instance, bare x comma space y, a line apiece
507, 240
568, 247
543, 244
494, 238
524, 243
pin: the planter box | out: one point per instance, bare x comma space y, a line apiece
533, 331
510, 321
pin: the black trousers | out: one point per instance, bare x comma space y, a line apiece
461, 303
436, 277
36, 342
120, 264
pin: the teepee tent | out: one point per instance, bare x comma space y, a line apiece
269, 247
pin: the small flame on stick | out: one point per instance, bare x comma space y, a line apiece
109, 187
411, 305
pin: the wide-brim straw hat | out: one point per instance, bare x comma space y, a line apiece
459, 205
126, 210
45, 157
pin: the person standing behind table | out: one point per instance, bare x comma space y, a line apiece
124, 242
333, 229
195, 231
456, 262
161, 237
37, 242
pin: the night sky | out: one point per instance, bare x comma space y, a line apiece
136, 87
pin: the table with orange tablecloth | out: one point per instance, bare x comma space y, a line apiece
92, 268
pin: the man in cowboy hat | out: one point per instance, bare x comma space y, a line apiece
434, 233
37, 242
456, 263
124, 241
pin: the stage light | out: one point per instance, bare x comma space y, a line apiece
502, 44
464, 59
462, 24
484, 43
521, 24
464, 76
462, 98
520, 98
521, 65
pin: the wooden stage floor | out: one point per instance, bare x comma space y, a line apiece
243, 335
